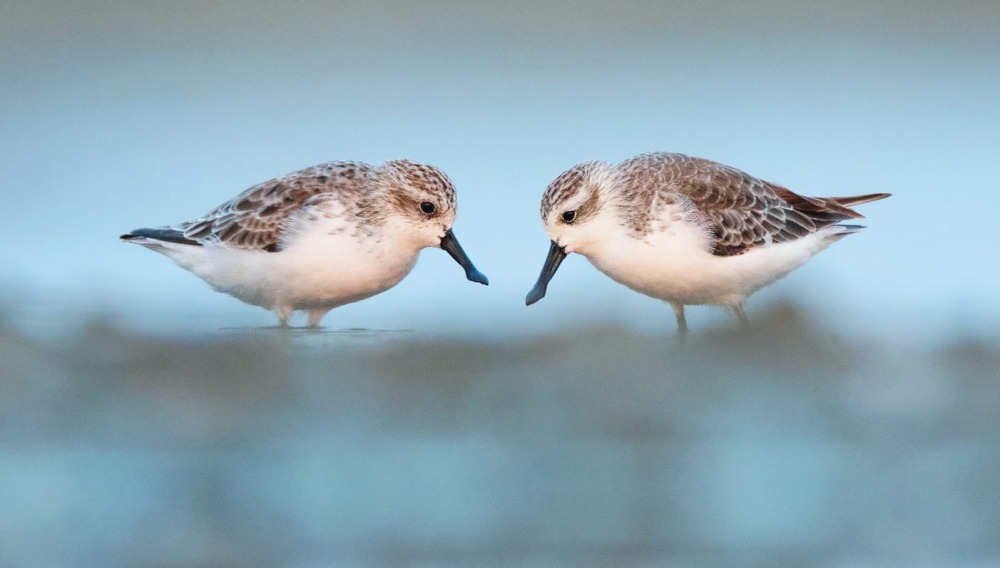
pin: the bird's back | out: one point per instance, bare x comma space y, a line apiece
740, 210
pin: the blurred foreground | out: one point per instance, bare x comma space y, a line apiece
781, 446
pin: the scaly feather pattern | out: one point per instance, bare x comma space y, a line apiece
255, 219
741, 210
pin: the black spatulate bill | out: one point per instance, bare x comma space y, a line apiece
552, 262
450, 244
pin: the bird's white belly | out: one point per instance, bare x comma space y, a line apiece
677, 267
312, 274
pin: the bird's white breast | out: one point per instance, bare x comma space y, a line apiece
325, 265
675, 263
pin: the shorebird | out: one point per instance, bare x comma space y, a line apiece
318, 238
686, 230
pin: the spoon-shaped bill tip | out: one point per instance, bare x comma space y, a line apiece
537, 293
450, 244
477, 276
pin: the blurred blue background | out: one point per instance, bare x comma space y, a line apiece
147, 420
123, 114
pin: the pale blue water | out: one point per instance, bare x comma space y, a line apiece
595, 447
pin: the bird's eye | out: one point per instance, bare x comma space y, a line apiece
569, 216
428, 208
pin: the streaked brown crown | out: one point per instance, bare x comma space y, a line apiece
404, 185
569, 186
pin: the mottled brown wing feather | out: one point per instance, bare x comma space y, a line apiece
743, 211
256, 218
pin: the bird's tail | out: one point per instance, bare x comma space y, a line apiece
857, 199
161, 234
841, 231
831, 234
828, 210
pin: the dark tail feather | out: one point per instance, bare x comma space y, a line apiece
827, 210
858, 199
851, 229
162, 234
841, 232
823, 211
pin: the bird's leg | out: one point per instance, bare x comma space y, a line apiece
741, 314
682, 324
283, 312
316, 315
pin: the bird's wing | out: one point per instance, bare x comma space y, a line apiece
257, 218
740, 210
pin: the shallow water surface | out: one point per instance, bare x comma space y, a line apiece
780, 445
